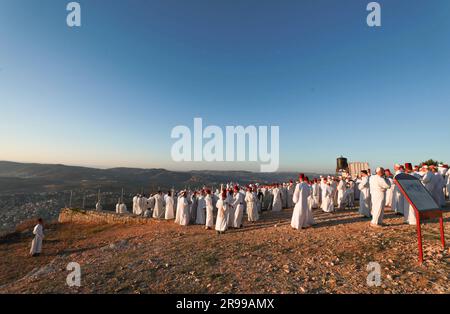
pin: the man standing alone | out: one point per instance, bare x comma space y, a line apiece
378, 187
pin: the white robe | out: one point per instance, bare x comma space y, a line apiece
438, 189
209, 211
301, 216
378, 187
341, 188
427, 181
327, 198
147, 205
201, 211
315, 195
98, 207
123, 209
349, 195
183, 209
178, 212
398, 199
139, 206
158, 210
238, 205
222, 215
409, 215
390, 193
117, 208
36, 244
169, 208
364, 197
135, 204
334, 192
276, 203
252, 211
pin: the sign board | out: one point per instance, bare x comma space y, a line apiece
416, 192
425, 207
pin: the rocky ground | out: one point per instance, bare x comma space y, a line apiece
265, 257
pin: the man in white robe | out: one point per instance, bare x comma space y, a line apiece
36, 244
327, 197
238, 205
252, 212
178, 212
201, 209
301, 216
333, 184
378, 187
146, 206
222, 215
118, 207
158, 210
397, 197
409, 214
427, 179
123, 208
341, 188
438, 187
350, 193
98, 206
169, 213
183, 209
277, 199
364, 195
209, 210
389, 192
315, 194
135, 204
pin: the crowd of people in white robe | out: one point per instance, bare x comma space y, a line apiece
226, 207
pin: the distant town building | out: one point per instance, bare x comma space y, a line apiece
356, 167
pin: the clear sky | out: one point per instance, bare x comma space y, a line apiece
109, 93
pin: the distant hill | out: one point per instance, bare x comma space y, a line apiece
31, 177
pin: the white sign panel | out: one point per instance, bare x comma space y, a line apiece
418, 195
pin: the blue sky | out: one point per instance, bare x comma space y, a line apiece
109, 93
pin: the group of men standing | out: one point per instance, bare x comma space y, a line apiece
226, 207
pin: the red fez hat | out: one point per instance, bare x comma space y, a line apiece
408, 166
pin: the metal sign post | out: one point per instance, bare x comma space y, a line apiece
415, 193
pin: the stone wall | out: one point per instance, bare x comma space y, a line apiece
68, 215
